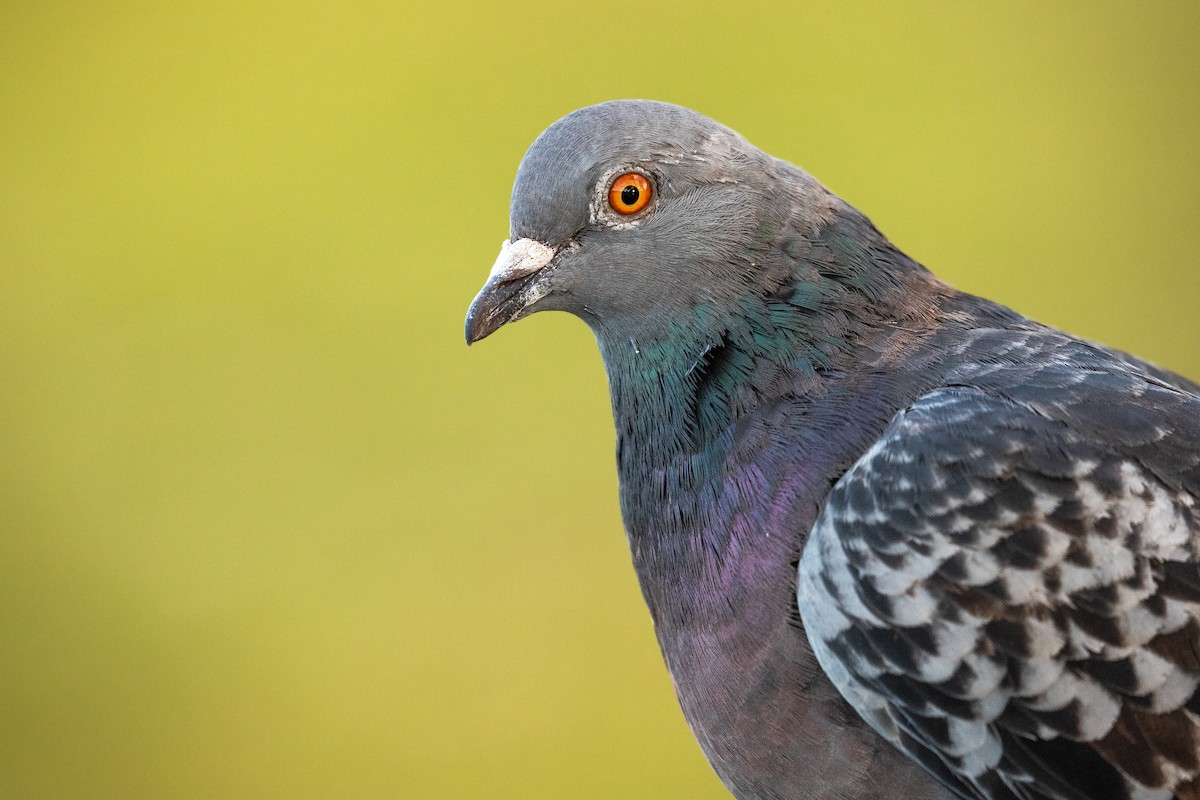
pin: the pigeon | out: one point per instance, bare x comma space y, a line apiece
897, 541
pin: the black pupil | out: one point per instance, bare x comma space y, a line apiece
629, 195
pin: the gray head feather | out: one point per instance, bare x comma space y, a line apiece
719, 204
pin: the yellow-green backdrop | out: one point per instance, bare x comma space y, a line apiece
269, 530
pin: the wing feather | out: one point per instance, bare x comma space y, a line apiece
1010, 581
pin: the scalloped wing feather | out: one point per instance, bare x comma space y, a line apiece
1007, 587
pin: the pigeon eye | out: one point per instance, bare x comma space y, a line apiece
629, 193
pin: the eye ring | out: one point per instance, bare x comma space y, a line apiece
629, 193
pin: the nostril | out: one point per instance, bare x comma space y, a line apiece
519, 259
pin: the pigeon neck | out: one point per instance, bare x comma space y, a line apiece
677, 397
825, 306
671, 395
686, 395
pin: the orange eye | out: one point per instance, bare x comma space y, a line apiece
629, 193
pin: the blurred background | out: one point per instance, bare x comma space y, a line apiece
269, 529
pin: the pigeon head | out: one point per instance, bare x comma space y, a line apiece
692, 253
631, 214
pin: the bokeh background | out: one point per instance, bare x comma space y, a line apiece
269, 529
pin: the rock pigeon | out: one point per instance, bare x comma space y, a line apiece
897, 541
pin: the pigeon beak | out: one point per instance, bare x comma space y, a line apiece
509, 289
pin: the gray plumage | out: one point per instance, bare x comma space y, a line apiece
897, 541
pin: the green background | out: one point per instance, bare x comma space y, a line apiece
269, 529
